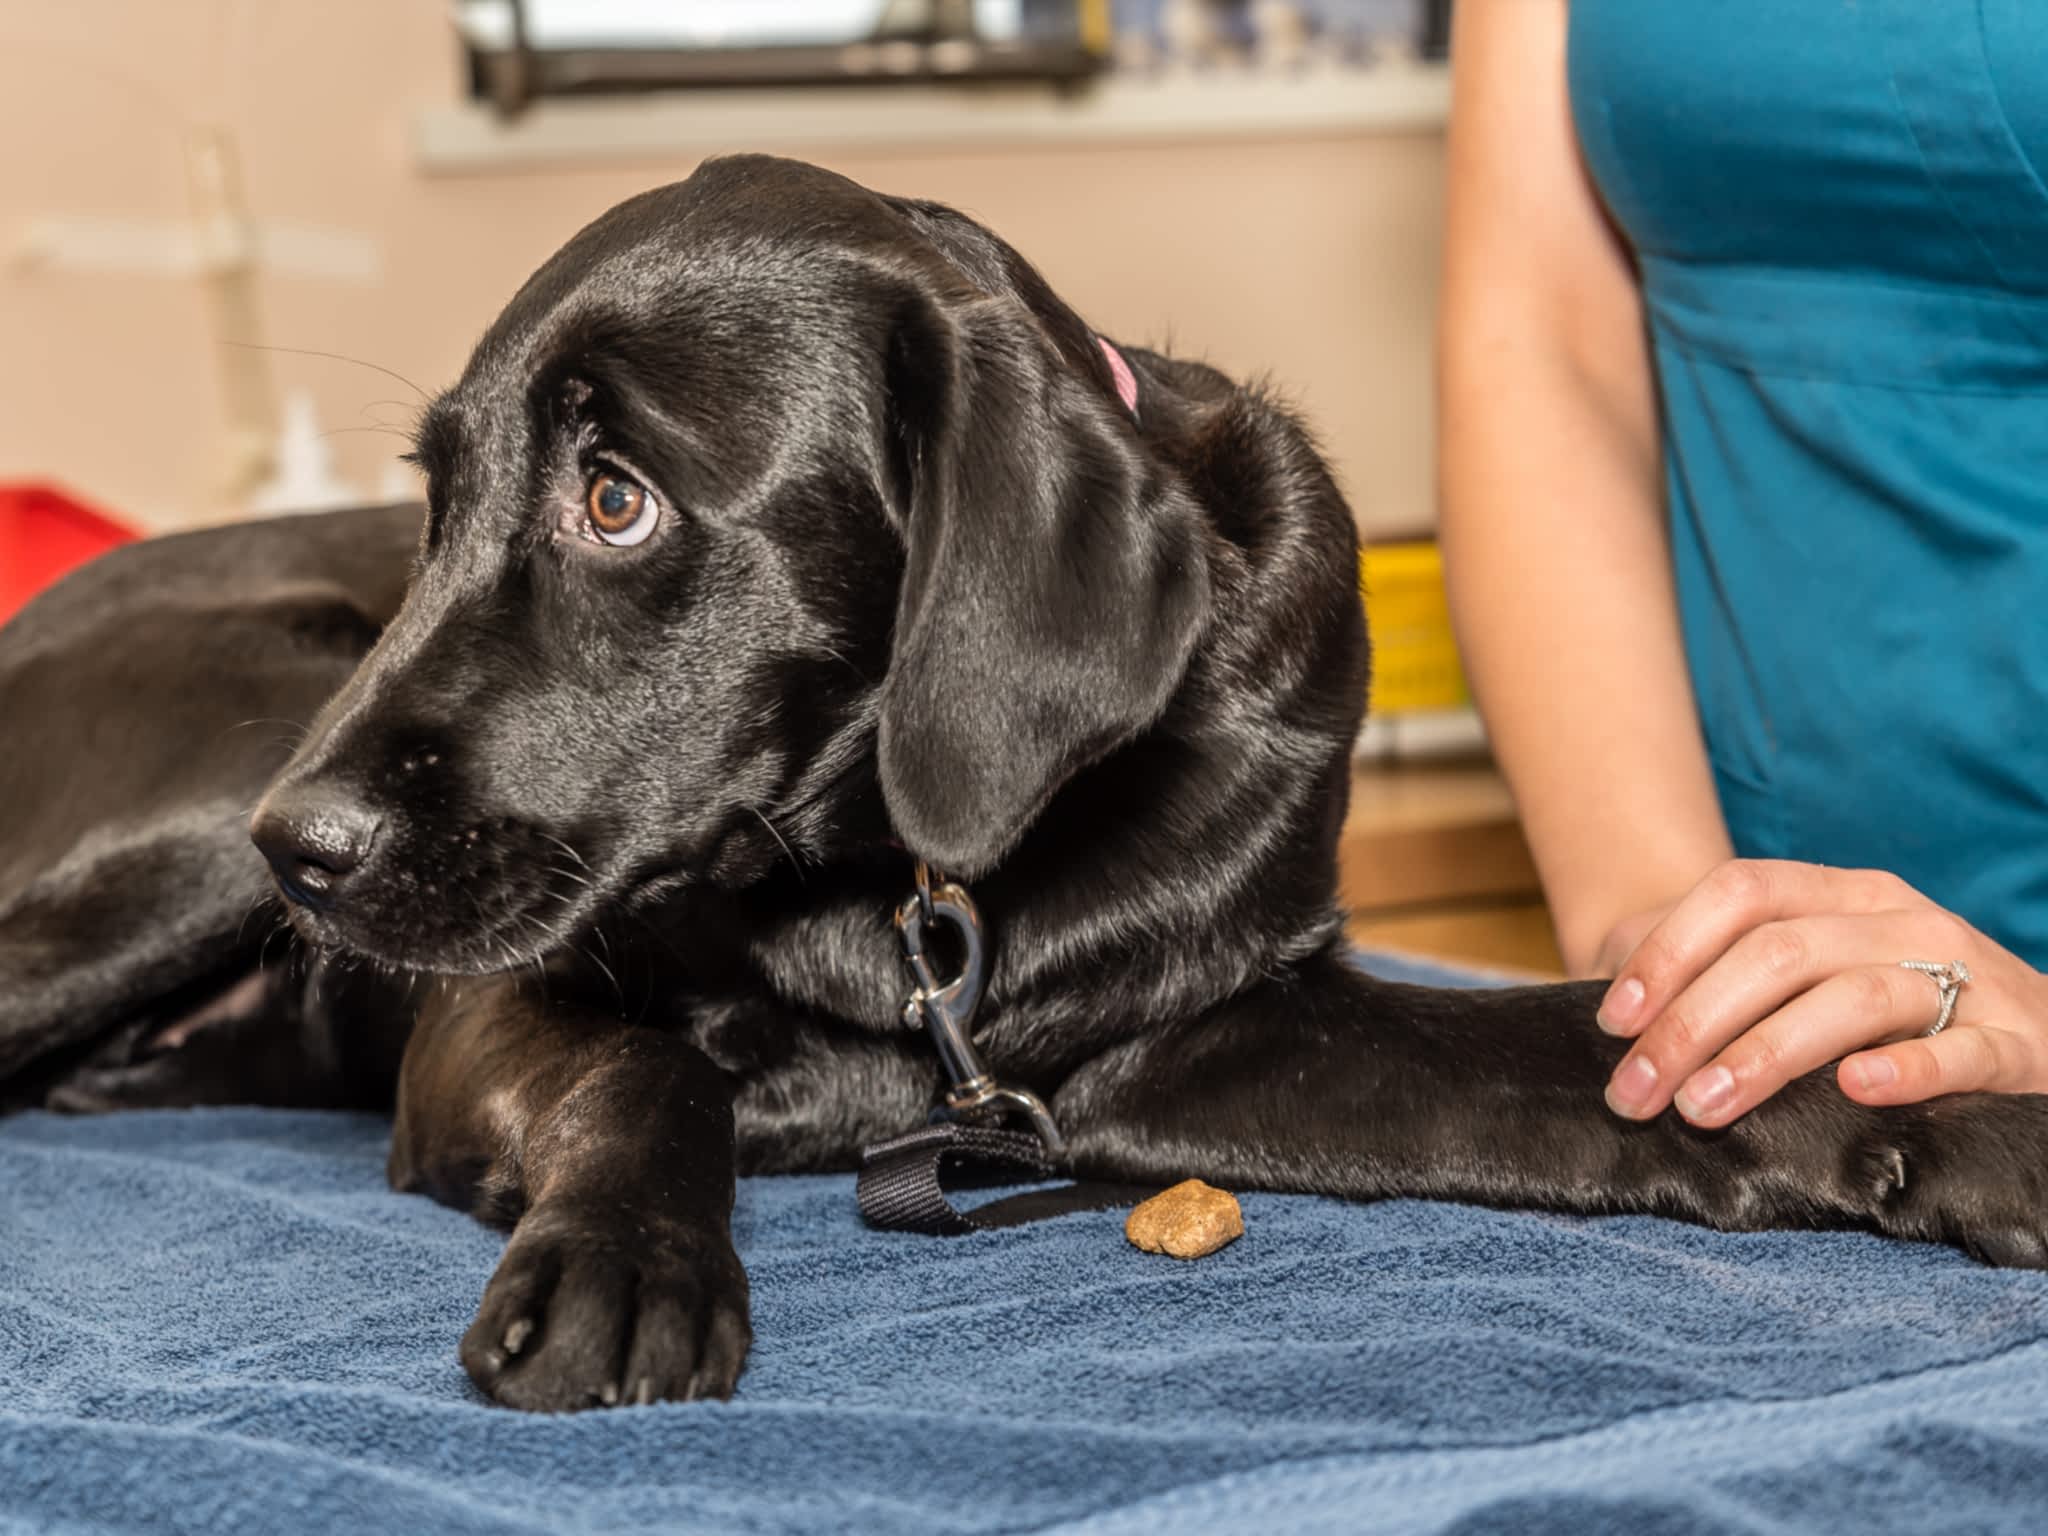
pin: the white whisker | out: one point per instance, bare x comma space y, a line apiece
773, 832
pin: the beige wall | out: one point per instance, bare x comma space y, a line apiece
1310, 260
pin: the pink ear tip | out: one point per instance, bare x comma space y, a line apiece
1126, 381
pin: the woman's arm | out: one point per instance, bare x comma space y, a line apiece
1734, 977
1552, 517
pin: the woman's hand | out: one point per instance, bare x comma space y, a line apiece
1768, 969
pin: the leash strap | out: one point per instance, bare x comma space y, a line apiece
902, 1186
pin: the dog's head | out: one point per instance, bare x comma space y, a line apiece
765, 491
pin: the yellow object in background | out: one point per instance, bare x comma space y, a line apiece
1098, 32
1414, 657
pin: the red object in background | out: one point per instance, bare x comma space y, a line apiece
43, 534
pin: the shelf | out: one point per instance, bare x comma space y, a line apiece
1432, 861
1391, 97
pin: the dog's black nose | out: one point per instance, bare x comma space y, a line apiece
313, 843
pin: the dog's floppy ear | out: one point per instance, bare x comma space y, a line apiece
1055, 582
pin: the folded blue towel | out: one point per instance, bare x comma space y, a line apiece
222, 1321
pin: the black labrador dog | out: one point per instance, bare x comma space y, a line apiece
779, 535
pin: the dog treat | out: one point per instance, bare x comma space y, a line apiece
1189, 1221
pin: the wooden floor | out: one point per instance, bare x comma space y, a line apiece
1433, 863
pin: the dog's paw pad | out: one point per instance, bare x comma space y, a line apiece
2014, 1247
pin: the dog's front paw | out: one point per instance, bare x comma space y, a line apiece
1972, 1171
587, 1311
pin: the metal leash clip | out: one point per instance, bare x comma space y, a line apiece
946, 1010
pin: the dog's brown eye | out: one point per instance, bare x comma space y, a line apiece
621, 512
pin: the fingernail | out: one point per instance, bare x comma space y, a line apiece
1629, 1090
1874, 1072
1621, 1006
1705, 1092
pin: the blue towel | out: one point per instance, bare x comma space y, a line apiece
221, 1321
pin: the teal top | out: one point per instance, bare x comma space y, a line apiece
1841, 222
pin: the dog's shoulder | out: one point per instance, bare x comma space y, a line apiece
1247, 455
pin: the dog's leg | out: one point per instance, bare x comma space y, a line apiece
299, 1033
608, 1147
1333, 1082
